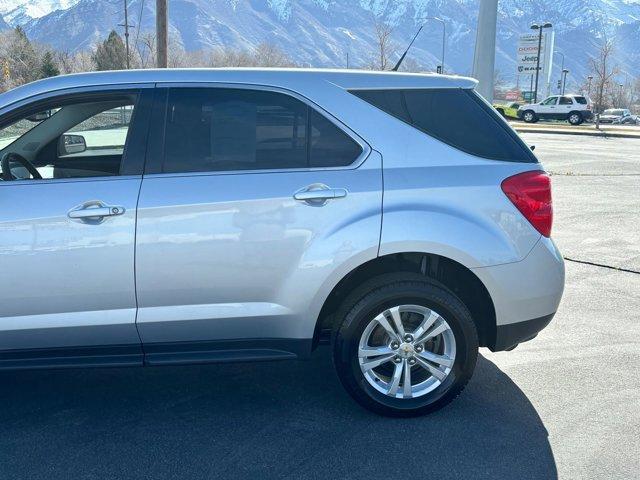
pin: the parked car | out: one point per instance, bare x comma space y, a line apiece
616, 115
631, 120
190, 216
575, 109
508, 110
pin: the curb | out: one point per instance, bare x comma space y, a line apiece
579, 132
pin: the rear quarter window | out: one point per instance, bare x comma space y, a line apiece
581, 100
457, 117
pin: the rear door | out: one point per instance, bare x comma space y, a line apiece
565, 105
67, 239
252, 200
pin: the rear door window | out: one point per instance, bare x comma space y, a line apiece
458, 117
328, 145
565, 101
220, 129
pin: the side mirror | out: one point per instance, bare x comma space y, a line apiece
40, 116
69, 144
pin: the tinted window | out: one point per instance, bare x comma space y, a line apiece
565, 101
550, 101
455, 116
210, 129
391, 101
330, 146
581, 100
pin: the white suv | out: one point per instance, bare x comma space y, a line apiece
575, 109
189, 216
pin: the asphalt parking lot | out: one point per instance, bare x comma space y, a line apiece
565, 405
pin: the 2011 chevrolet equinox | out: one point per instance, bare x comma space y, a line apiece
191, 216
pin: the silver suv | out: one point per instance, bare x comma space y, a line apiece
181, 217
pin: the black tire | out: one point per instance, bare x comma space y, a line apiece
575, 118
529, 116
501, 112
374, 297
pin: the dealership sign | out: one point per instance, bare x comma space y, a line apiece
527, 54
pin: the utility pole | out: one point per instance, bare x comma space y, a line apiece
564, 79
126, 33
590, 78
484, 57
161, 33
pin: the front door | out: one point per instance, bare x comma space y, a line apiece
255, 199
67, 227
548, 108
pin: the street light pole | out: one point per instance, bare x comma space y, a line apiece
620, 95
589, 87
562, 65
564, 79
538, 27
531, 87
444, 35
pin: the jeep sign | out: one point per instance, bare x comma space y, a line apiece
527, 54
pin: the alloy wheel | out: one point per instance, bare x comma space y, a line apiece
407, 351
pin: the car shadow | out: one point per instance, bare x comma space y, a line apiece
260, 420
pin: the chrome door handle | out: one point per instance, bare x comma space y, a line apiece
95, 210
317, 194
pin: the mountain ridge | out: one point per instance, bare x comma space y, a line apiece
324, 32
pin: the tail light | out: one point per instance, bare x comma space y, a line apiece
530, 192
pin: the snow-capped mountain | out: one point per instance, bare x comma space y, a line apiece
324, 32
18, 12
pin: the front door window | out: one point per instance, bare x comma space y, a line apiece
72, 140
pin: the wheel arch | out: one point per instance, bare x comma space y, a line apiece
443, 270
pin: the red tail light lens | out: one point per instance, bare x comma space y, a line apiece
530, 192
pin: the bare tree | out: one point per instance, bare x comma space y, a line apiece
269, 55
19, 57
145, 50
384, 45
603, 72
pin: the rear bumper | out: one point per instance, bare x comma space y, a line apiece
510, 335
525, 294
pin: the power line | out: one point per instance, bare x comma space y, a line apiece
139, 23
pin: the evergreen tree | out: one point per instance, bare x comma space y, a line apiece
48, 68
111, 54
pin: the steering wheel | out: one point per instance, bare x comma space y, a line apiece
9, 157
